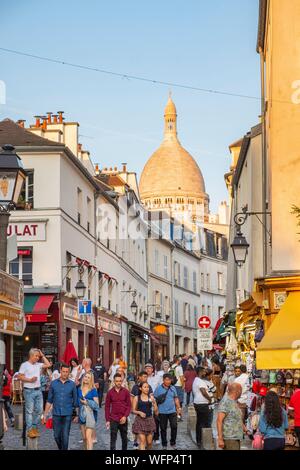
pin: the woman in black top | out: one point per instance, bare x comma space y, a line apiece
143, 406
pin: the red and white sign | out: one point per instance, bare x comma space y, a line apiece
28, 231
204, 322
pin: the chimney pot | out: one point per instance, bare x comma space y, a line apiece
49, 114
44, 125
124, 167
60, 116
37, 121
55, 121
97, 168
111, 169
116, 168
79, 147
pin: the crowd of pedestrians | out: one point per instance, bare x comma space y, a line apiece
147, 406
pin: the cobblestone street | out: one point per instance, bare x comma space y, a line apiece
13, 438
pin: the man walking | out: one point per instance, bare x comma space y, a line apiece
242, 378
100, 375
62, 397
201, 403
230, 425
30, 374
179, 384
168, 408
117, 410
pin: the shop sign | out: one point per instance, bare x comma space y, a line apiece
28, 231
36, 318
71, 313
12, 321
204, 340
109, 326
11, 290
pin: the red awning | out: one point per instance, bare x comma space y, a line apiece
43, 303
154, 338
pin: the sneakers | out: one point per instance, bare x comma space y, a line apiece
135, 445
12, 422
32, 433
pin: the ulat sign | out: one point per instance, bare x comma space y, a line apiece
28, 231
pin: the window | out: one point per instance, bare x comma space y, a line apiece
195, 317
208, 281
69, 272
89, 213
79, 205
176, 312
185, 277
156, 261
167, 306
220, 281
21, 267
202, 281
209, 311
187, 319
26, 197
165, 267
220, 311
203, 310
194, 281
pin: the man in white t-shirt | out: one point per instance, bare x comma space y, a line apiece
201, 403
179, 384
30, 375
242, 378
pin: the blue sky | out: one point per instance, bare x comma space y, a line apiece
208, 44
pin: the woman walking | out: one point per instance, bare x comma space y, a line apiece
75, 368
189, 376
89, 406
144, 406
273, 423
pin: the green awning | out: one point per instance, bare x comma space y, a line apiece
29, 302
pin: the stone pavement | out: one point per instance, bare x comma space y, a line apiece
13, 438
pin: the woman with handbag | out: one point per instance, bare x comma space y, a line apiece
89, 406
144, 407
273, 423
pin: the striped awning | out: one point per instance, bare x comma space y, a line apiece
35, 303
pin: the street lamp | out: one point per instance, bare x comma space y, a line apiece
134, 307
80, 287
12, 177
240, 245
240, 248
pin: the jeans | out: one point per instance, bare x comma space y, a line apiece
33, 407
163, 421
202, 412
115, 426
101, 391
180, 394
61, 429
156, 434
7, 406
274, 444
232, 444
188, 397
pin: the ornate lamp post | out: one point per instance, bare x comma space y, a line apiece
12, 177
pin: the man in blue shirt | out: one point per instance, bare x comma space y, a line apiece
62, 397
168, 408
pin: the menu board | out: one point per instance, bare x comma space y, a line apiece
12, 320
49, 341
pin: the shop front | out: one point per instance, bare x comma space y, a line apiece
110, 338
138, 349
160, 342
42, 324
81, 329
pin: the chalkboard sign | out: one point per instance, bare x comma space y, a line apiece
49, 341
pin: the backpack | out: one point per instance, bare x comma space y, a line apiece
172, 372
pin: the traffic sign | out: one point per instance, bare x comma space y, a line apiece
204, 322
204, 340
84, 307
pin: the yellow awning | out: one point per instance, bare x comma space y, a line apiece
280, 347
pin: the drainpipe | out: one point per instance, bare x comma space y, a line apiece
172, 337
96, 341
264, 162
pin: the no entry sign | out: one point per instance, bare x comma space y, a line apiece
204, 322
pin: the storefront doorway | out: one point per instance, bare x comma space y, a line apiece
22, 344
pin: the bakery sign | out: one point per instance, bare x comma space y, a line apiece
31, 230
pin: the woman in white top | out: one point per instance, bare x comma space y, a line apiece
113, 370
74, 365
